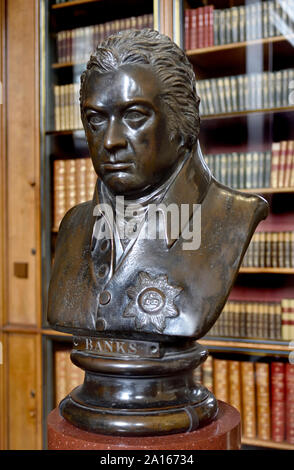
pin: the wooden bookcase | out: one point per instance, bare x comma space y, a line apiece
231, 133
28, 38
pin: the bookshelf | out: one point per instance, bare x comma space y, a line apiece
236, 50
23, 324
246, 130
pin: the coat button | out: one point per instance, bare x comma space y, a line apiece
104, 244
100, 324
104, 297
103, 270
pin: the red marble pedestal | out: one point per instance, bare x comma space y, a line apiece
222, 434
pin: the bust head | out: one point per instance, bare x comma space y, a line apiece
139, 109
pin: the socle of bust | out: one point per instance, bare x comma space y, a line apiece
110, 277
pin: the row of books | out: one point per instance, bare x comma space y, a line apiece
245, 92
73, 182
67, 376
246, 170
242, 170
76, 45
252, 21
199, 24
67, 113
270, 250
264, 320
262, 392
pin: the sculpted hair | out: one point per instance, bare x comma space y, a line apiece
170, 64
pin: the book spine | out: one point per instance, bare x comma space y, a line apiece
70, 184
289, 386
263, 401
220, 379
282, 164
200, 27
262, 250
207, 373
193, 31
187, 29
278, 401
287, 319
249, 403
278, 321
216, 27
80, 177
288, 163
59, 199
275, 164
235, 385
287, 248
292, 249
211, 19
242, 24
271, 321
228, 26
205, 31
291, 152
91, 179
281, 254
222, 19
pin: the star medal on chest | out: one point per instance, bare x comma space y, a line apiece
152, 301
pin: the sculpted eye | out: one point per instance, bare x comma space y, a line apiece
135, 117
97, 119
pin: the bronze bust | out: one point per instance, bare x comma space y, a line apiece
136, 302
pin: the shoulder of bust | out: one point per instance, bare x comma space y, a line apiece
75, 214
253, 201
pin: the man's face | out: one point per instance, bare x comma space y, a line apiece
127, 131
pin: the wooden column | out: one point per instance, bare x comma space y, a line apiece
20, 219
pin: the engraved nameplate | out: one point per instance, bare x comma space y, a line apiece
116, 347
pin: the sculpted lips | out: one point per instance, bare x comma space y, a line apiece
118, 166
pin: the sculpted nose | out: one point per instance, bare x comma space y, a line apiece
114, 136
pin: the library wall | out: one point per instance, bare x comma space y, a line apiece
20, 373
22, 160
248, 143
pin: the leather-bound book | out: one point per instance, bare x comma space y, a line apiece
70, 183
59, 201
263, 401
91, 179
207, 373
80, 174
289, 381
275, 164
235, 385
278, 401
220, 379
248, 400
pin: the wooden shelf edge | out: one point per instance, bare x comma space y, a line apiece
237, 45
272, 444
64, 132
246, 345
57, 65
247, 112
267, 190
50, 332
72, 3
266, 270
